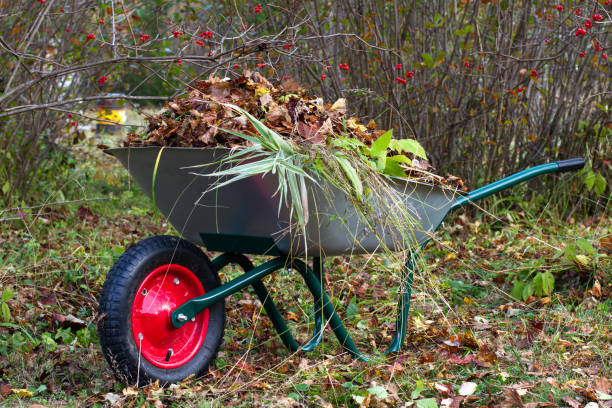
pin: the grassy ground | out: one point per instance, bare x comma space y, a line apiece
470, 343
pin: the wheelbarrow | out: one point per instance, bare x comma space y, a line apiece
162, 308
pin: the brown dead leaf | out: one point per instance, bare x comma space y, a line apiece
444, 390
267, 101
5, 388
596, 289
606, 243
602, 384
339, 106
486, 357
292, 316
469, 341
512, 398
571, 402
426, 357
291, 86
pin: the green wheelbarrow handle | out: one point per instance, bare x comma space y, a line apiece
514, 179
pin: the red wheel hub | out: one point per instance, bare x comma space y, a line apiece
162, 291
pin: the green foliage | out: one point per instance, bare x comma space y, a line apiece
5, 297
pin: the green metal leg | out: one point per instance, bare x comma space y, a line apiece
264, 296
317, 336
328, 309
268, 303
403, 306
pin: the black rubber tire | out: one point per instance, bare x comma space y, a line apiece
115, 326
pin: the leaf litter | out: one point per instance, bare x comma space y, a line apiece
202, 118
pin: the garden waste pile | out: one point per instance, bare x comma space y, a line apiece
204, 118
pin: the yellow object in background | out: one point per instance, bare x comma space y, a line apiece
111, 115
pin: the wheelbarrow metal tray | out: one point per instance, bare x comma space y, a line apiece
250, 207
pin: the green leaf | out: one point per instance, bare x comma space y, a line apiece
517, 289
408, 145
301, 387
570, 252
379, 147
419, 388
48, 342
427, 59
600, 184
351, 174
352, 309
155, 175
5, 313
427, 403
538, 285
528, 290
585, 246
393, 168
400, 158
6, 187
544, 283
548, 282
7, 294
379, 391
347, 144
589, 179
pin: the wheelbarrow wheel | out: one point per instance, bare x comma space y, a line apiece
146, 283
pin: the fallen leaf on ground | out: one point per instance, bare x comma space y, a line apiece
467, 388
22, 392
573, 403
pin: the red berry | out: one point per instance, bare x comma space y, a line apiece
90, 36
580, 31
409, 74
466, 64
323, 76
597, 46
261, 65
287, 47
73, 123
62, 10
179, 62
520, 89
578, 11
607, 2
604, 56
534, 73
588, 23
560, 7
597, 17
70, 115
102, 80
398, 66
547, 41
67, 29
236, 66
200, 43
101, 21
144, 37
400, 80
176, 34
582, 55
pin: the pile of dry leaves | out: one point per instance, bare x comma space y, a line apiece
200, 118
